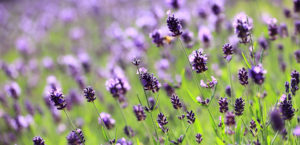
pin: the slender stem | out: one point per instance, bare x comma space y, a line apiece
143, 87
274, 137
148, 131
231, 85
71, 122
102, 124
154, 126
122, 112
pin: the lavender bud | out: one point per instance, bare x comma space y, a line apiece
253, 128
176, 102
139, 112
136, 61
38, 141
190, 116
198, 60
76, 137
243, 76
89, 94
283, 30
57, 98
287, 87
199, 138
239, 106
223, 103
228, 51
243, 27
174, 25
162, 121
150, 82
122, 141
286, 109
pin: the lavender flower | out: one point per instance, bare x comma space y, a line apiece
89, 94
57, 98
205, 36
287, 87
257, 74
263, 43
297, 27
176, 102
149, 82
38, 141
198, 61
243, 76
162, 121
106, 120
286, 109
239, 106
174, 25
76, 137
228, 51
243, 27
223, 103
253, 128
190, 116
198, 138
139, 112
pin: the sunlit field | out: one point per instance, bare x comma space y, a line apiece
149, 72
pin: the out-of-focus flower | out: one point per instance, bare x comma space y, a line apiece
297, 55
273, 29
157, 38
257, 74
117, 87
198, 61
276, 121
139, 112
13, 90
175, 4
205, 36
263, 43
297, 27
76, 33
296, 131
243, 27
209, 84
297, 5
230, 119
76, 137
108, 121
283, 30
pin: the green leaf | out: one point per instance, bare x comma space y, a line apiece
245, 59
